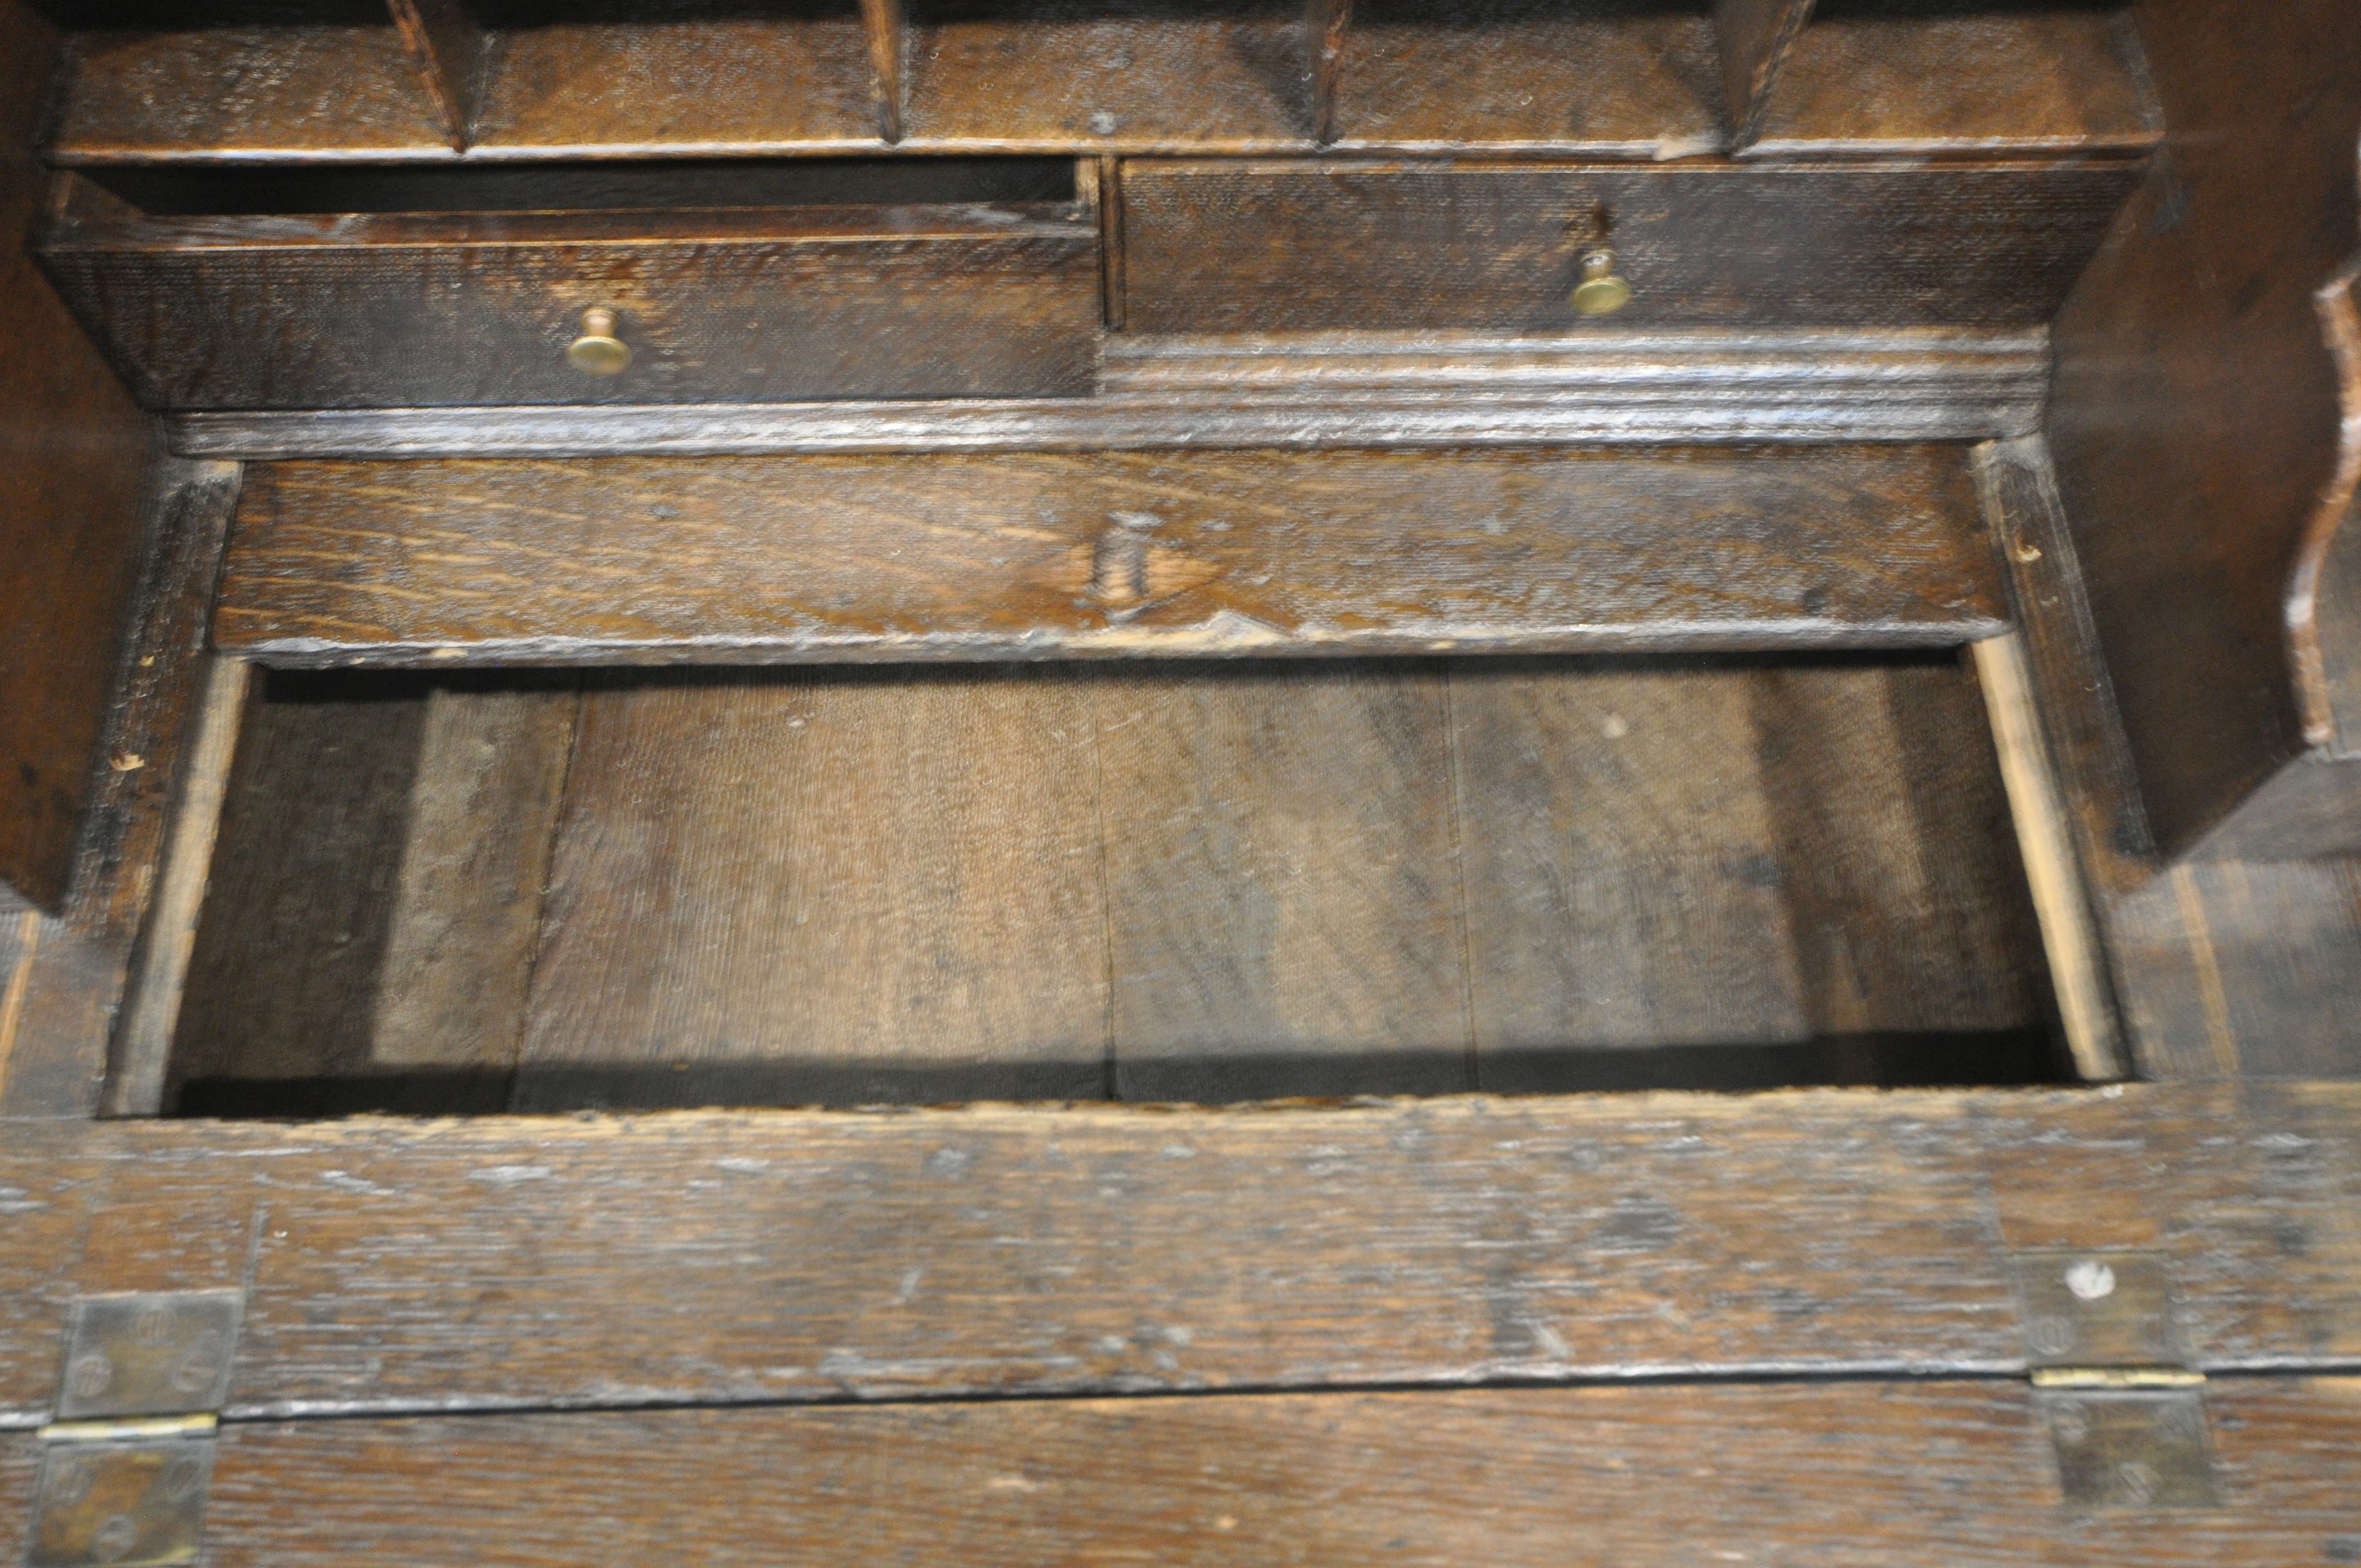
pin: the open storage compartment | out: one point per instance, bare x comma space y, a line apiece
1164, 881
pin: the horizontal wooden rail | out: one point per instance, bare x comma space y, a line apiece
798, 1256
1030, 555
1842, 1475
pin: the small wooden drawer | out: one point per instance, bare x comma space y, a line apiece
719, 303
1228, 246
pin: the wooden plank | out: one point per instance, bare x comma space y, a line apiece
1221, 245
465, 921
840, 888
377, 891
1526, 74
448, 46
1622, 876
390, 309
138, 1055
697, 1257
2196, 418
77, 453
1756, 37
1292, 389
264, 91
1990, 84
1282, 883
1849, 1475
1025, 556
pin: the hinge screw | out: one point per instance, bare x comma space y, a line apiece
92, 1375
2091, 1280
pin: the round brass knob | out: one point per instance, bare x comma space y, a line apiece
1601, 292
599, 351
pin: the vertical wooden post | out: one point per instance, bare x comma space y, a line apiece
1324, 22
887, 24
449, 47
1755, 36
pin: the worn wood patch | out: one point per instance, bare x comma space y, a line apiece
1024, 555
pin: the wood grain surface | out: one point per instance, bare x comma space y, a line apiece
475, 1264
823, 887
390, 310
1851, 1475
1030, 555
1221, 245
1283, 892
1755, 38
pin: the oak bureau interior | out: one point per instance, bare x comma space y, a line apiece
767, 554
620, 619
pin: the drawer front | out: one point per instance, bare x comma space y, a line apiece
1217, 245
748, 312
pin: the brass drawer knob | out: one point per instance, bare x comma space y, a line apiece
1602, 292
599, 351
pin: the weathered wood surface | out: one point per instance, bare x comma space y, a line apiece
1030, 555
1851, 1475
2222, 968
1224, 246
448, 45
2190, 522
75, 452
409, 1266
1295, 390
392, 310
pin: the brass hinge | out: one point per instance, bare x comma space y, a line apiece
2125, 1416
126, 1463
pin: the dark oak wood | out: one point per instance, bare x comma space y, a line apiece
1293, 390
1030, 555
475, 1265
1756, 37
1987, 82
391, 310
2222, 968
2203, 298
443, 38
76, 453
1854, 1475
1222, 246
275, 91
